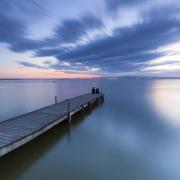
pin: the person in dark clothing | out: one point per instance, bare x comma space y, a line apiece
93, 90
97, 91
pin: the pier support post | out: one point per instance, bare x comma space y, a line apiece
55, 99
69, 112
102, 97
97, 100
54, 114
89, 106
83, 109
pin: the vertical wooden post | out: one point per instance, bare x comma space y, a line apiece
55, 99
89, 106
102, 97
98, 100
69, 113
83, 109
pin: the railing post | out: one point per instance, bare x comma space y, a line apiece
69, 112
55, 99
83, 110
89, 106
102, 97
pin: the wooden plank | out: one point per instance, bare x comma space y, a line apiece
19, 130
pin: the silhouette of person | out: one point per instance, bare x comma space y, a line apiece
97, 91
93, 90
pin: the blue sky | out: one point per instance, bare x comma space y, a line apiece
87, 38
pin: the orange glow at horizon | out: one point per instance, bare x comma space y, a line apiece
42, 74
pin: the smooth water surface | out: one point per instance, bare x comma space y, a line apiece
133, 135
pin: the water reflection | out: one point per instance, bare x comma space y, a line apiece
165, 100
19, 97
14, 165
131, 136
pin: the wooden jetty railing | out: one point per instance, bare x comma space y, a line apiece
20, 130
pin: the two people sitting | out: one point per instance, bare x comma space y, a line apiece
95, 91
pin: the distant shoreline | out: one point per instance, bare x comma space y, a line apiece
54, 79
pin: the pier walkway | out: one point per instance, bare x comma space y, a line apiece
18, 131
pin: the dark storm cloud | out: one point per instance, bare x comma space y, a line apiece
24, 44
10, 29
31, 65
125, 50
127, 46
13, 31
71, 30
75, 68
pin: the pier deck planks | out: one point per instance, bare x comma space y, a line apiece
19, 130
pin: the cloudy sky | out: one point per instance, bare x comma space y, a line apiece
88, 38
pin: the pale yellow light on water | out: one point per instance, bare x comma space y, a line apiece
166, 100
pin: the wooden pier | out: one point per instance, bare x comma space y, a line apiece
20, 130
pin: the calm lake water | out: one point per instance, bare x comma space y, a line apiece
133, 135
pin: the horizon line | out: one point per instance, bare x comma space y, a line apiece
103, 77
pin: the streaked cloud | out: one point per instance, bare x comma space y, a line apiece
124, 37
